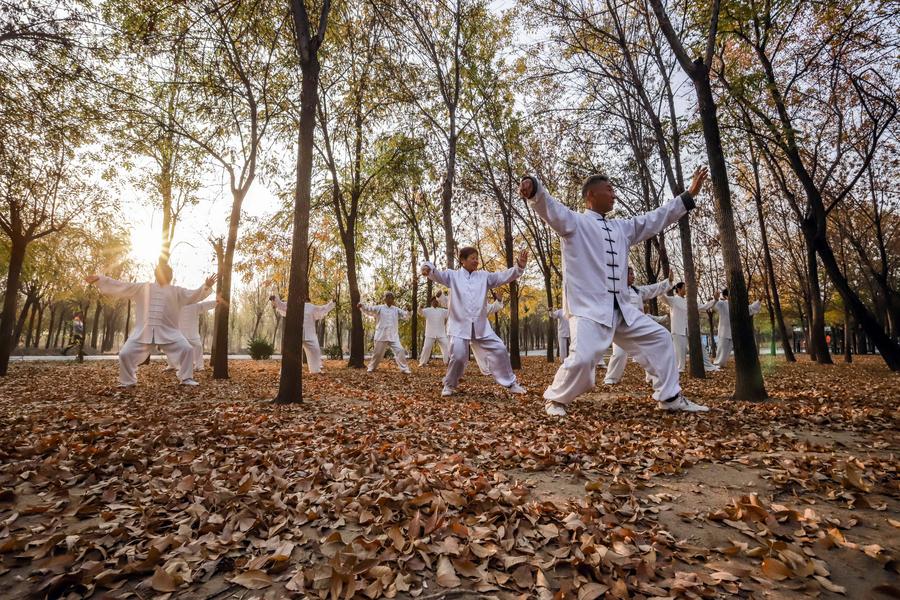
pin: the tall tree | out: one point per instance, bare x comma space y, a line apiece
308, 42
748, 374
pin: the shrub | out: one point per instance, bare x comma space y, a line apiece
334, 352
260, 349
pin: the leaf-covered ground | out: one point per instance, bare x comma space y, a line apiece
377, 487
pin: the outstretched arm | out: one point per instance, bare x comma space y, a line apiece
654, 290
509, 275
113, 287
755, 308
643, 227
432, 273
368, 309
279, 305
708, 305
320, 310
559, 217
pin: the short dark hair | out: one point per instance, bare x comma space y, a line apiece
590, 182
465, 252
725, 292
272, 297
678, 285
165, 270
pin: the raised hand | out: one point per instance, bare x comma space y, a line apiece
697, 180
211, 280
224, 302
426, 271
526, 187
522, 260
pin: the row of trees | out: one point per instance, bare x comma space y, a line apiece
410, 124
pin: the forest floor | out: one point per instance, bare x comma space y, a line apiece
375, 486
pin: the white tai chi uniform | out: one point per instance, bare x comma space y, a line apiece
562, 332
156, 315
595, 254
636, 296
678, 325
311, 314
387, 334
482, 359
468, 323
189, 325
435, 331
725, 344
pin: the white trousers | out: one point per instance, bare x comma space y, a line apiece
481, 359
179, 353
314, 355
443, 342
563, 347
196, 353
381, 348
645, 339
494, 355
616, 367
681, 348
724, 352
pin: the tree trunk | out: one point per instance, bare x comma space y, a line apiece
95, 326
20, 324
770, 275
748, 374
357, 331
818, 346
50, 327
848, 332
551, 324
290, 385
31, 318
515, 357
414, 317
223, 309
447, 193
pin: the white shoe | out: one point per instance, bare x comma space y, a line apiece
680, 403
126, 385
190, 382
406, 371
609, 382
447, 391
515, 388
167, 369
370, 370
555, 410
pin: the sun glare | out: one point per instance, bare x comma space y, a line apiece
145, 246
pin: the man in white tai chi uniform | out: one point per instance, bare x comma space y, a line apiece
189, 326
435, 331
637, 296
311, 314
595, 251
157, 307
481, 358
677, 303
387, 331
720, 305
562, 330
468, 324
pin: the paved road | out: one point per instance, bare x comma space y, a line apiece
70, 357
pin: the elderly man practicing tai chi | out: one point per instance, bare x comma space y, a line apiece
189, 325
595, 254
435, 331
157, 308
636, 295
468, 324
720, 305
311, 314
562, 330
387, 332
677, 303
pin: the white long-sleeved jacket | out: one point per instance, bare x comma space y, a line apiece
721, 307
189, 319
157, 308
677, 313
467, 302
387, 321
435, 321
595, 252
638, 295
311, 314
562, 322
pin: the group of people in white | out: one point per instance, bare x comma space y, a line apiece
601, 307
